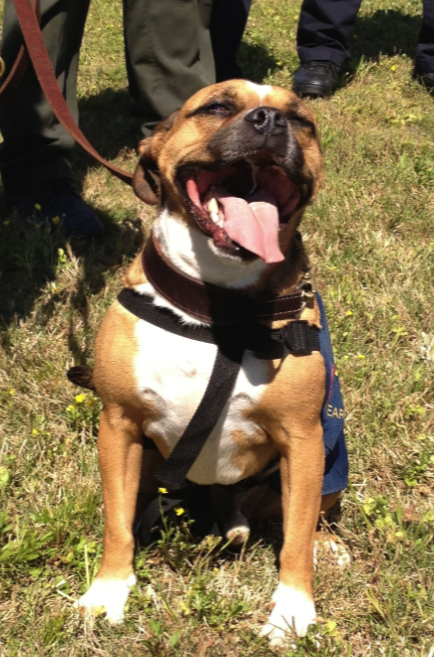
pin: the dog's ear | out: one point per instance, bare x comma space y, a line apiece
146, 181
146, 177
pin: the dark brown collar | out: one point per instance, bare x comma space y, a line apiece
212, 303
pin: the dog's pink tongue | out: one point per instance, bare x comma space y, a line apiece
254, 224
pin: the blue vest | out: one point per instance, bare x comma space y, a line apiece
332, 418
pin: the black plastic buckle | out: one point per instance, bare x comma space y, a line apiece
297, 338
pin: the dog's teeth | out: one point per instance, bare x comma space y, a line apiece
213, 210
213, 206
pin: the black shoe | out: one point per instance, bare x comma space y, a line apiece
316, 79
55, 204
425, 79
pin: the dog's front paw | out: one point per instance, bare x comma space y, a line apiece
293, 612
109, 595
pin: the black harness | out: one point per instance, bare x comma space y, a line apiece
297, 338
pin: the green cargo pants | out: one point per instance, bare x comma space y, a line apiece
169, 57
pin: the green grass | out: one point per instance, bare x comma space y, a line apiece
371, 238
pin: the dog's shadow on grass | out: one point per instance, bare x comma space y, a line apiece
30, 261
124, 241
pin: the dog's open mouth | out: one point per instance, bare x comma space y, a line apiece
243, 205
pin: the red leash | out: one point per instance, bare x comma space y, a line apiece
38, 55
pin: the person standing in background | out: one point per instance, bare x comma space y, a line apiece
324, 34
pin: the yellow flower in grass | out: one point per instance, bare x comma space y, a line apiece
179, 510
80, 398
162, 491
12, 392
37, 206
360, 356
70, 408
55, 221
35, 432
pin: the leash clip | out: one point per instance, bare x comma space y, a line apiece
307, 286
2, 67
309, 298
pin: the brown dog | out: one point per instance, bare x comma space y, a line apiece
232, 172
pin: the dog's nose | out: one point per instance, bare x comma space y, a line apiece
267, 120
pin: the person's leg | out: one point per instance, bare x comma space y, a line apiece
228, 22
424, 67
324, 35
325, 30
34, 155
35, 146
169, 52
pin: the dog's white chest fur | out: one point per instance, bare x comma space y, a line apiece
172, 373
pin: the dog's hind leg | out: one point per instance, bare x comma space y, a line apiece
231, 521
120, 456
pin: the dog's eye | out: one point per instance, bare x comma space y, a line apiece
218, 108
299, 121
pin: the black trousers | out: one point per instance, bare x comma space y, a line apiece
425, 47
228, 21
325, 30
169, 58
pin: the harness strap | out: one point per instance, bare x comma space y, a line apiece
224, 374
142, 306
298, 337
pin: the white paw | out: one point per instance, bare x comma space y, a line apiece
238, 535
293, 612
332, 548
109, 595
